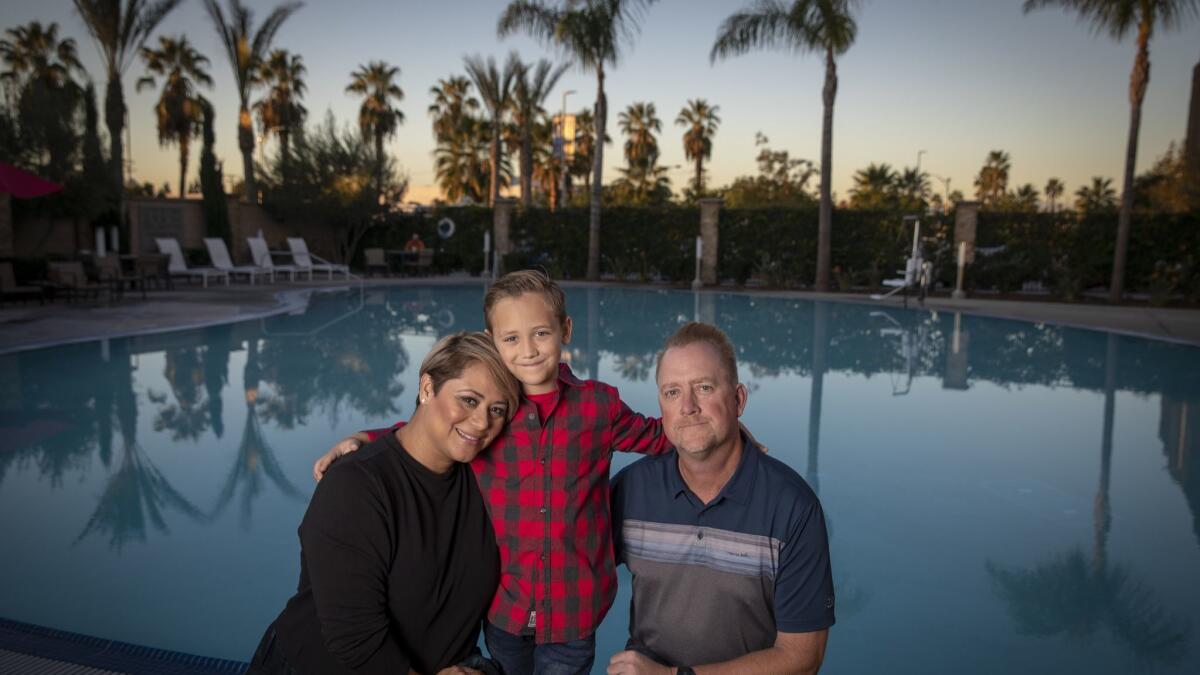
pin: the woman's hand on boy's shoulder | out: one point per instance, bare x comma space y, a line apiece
342, 447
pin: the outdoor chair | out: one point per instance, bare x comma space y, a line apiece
108, 269
419, 263
177, 267
219, 254
154, 268
304, 259
70, 278
9, 290
262, 257
376, 259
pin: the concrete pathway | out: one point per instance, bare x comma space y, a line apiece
30, 325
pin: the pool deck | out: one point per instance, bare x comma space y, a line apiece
30, 325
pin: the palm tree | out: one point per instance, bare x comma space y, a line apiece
179, 110
452, 103
590, 33
1118, 18
1099, 196
495, 87
585, 147
532, 87
873, 186
120, 30
912, 186
639, 122
820, 26
34, 53
1026, 198
701, 121
280, 112
247, 49
992, 181
377, 119
1054, 189
462, 162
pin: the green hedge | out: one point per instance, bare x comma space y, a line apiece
777, 246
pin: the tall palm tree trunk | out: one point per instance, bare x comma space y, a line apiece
526, 168
378, 162
820, 345
285, 147
1101, 512
183, 160
246, 145
494, 173
699, 177
825, 218
114, 119
1138, 79
593, 265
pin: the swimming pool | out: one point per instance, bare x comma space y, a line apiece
1001, 496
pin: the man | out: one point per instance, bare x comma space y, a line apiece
727, 546
414, 244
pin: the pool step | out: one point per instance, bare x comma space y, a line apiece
26, 648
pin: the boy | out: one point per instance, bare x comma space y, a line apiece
545, 482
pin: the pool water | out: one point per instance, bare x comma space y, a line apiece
1001, 496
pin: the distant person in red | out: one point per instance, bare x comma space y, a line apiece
414, 245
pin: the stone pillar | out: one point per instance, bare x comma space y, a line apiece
710, 210
966, 218
501, 230
6, 225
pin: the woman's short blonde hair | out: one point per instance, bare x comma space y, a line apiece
455, 353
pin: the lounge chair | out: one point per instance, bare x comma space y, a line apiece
108, 267
178, 268
304, 259
219, 254
376, 260
9, 290
262, 257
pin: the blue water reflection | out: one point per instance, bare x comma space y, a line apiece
1002, 496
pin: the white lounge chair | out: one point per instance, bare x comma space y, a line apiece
177, 267
219, 254
304, 259
262, 258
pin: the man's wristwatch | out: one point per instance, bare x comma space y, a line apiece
684, 670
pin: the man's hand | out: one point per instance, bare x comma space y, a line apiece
634, 663
342, 447
459, 670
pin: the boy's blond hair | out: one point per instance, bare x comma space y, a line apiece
695, 332
516, 284
455, 353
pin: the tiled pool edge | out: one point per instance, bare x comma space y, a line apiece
111, 655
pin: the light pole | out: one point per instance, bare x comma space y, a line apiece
946, 187
919, 153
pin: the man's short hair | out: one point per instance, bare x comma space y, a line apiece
516, 284
695, 332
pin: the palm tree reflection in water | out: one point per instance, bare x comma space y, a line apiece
1072, 596
137, 494
255, 457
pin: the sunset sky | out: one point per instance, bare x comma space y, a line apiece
956, 78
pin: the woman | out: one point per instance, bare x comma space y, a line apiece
398, 560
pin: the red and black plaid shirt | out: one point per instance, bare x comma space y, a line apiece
549, 506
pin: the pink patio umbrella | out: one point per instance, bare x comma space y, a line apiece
21, 184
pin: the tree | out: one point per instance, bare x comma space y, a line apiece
533, 84
179, 111
280, 112
377, 119
819, 26
781, 181
590, 33
639, 122
701, 121
246, 49
1054, 189
874, 187
461, 161
1119, 18
992, 181
212, 188
1163, 187
1025, 199
495, 87
39, 73
452, 104
1099, 196
912, 190
120, 30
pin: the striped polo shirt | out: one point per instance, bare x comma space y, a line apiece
713, 582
